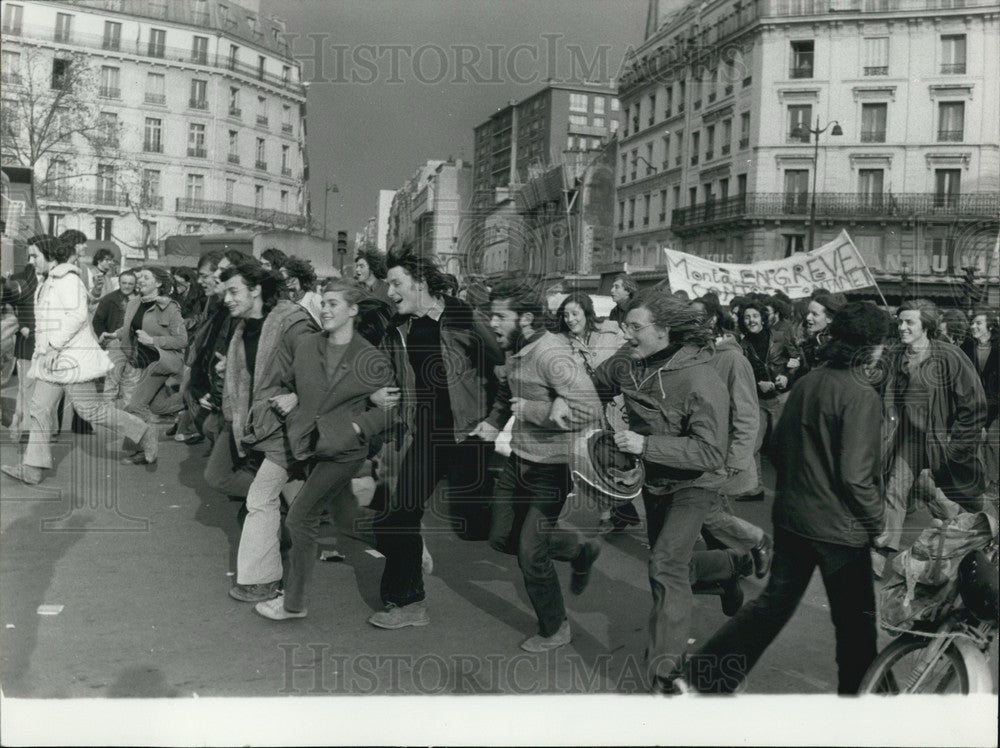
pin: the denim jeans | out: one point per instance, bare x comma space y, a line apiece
770, 413
730, 530
328, 483
88, 402
724, 661
397, 528
528, 507
151, 395
673, 523
258, 560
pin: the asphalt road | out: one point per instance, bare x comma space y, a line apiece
114, 584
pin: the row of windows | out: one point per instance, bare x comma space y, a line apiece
153, 142
156, 40
653, 208
580, 102
874, 122
715, 136
706, 85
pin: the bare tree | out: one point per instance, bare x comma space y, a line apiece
48, 111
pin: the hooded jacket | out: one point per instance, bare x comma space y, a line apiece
62, 323
679, 403
470, 352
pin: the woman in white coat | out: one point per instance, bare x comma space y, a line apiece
68, 359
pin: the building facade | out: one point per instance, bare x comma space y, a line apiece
198, 117
429, 213
531, 158
717, 158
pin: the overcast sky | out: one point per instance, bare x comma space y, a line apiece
395, 83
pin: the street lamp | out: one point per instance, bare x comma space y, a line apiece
800, 130
326, 194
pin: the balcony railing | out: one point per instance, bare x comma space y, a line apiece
198, 103
235, 111
286, 171
694, 160
248, 213
262, 120
801, 71
261, 165
142, 48
953, 68
744, 142
195, 152
154, 98
709, 155
111, 43
873, 136
842, 205
107, 92
286, 128
950, 136
728, 89
876, 70
64, 194
152, 146
725, 149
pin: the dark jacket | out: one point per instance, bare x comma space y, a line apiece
110, 312
782, 346
957, 415
19, 291
681, 405
209, 338
988, 376
470, 351
828, 461
320, 425
164, 324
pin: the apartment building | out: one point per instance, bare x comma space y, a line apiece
199, 114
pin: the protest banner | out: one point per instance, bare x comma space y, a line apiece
836, 266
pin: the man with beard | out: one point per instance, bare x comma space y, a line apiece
540, 367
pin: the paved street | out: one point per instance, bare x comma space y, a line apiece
115, 583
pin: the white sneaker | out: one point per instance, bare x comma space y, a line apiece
426, 561
539, 643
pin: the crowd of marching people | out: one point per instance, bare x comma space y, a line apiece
659, 413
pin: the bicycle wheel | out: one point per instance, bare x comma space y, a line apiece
901, 668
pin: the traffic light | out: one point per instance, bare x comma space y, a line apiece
342, 242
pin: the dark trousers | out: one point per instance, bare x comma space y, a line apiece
673, 522
726, 659
527, 505
225, 470
328, 482
397, 528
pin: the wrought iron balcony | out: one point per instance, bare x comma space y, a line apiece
876, 70
286, 171
64, 194
950, 136
873, 136
262, 165
234, 158
198, 103
109, 92
154, 98
836, 205
286, 128
195, 152
953, 68
262, 120
235, 111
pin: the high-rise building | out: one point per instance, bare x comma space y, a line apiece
187, 116
530, 158
716, 157
429, 213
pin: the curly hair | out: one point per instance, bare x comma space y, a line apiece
62, 250
421, 269
857, 328
101, 255
521, 298
276, 257
296, 267
375, 261
74, 236
585, 303
741, 322
685, 323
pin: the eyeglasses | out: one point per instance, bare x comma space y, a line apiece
632, 327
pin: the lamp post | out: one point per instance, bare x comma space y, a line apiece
802, 129
326, 195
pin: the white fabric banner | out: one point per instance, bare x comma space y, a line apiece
836, 266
